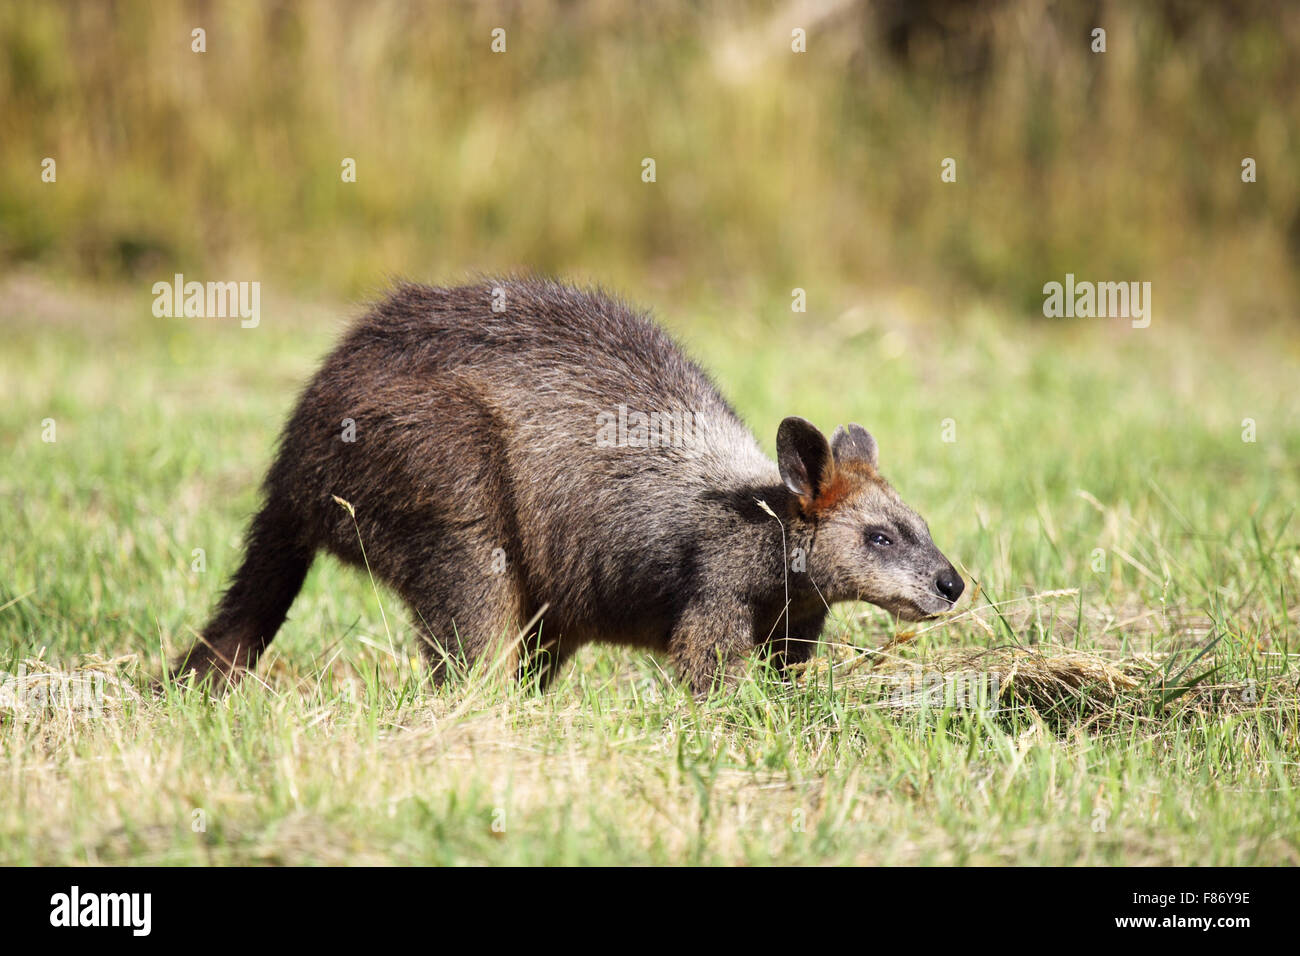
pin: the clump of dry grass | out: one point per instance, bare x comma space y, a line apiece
1063, 685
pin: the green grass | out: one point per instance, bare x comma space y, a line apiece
1071, 436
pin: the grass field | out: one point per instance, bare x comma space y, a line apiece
1137, 562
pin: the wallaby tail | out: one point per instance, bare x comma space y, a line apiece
277, 556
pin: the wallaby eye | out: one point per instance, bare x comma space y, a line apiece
879, 539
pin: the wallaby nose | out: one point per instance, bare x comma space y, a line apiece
950, 584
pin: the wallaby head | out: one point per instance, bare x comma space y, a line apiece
865, 543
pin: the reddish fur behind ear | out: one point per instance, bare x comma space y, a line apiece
846, 479
836, 490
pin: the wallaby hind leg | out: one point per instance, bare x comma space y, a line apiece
277, 557
468, 607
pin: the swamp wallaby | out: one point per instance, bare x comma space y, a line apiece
533, 467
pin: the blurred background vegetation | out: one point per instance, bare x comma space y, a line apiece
775, 170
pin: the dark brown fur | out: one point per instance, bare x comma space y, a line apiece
476, 441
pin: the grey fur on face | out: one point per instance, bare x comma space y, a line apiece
870, 546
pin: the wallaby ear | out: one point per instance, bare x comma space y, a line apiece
854, 444
803, 457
